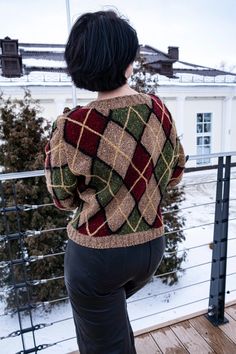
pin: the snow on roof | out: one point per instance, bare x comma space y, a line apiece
44, 63
191, 73
39, 49
61, 79
183, 65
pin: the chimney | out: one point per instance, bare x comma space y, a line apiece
173, 53
11, 60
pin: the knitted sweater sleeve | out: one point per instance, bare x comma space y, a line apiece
62, 184
178, 166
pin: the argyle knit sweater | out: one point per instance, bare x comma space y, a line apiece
111, 162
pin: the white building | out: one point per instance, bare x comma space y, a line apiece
203, 106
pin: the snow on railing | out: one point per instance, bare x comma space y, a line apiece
216, 282
39, 77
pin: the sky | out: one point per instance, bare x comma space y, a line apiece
204, 30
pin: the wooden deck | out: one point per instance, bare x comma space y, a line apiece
196, 336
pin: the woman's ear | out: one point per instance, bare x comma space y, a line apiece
129, 71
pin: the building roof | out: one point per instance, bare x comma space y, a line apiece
154, 56
45, 62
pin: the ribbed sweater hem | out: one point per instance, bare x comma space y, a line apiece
114, 241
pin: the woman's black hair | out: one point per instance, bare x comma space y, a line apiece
100, 47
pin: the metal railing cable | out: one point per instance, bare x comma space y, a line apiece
168, 291
169, 309
44, 303
34, 306
40, 257
176, 289
11, 265
24, 267
38, 233
29, 233
44, 281
43, 325
24, 207
229, 257
31, 283
168, 212
35, 327
30, 207
44, 346
26, 259
187, 185
39, 304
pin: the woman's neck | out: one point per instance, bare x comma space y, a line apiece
120, 91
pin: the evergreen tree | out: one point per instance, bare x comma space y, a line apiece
143, 79
146, 81
23, 136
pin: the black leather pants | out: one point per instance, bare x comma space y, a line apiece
98, 282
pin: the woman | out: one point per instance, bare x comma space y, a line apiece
110, 161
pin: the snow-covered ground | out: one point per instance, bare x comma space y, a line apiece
156, 303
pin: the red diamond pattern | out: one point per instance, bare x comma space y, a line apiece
98, 219
88, 136
162, 114
133, 179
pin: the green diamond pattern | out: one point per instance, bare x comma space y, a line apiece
133, 220
162, 173
68, 182
135, 125
105, 194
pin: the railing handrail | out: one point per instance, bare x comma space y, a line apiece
20, 175
213, 155
38, 173
217, 279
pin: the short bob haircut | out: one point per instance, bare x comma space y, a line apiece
100, 47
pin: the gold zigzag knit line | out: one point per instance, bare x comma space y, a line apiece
108, 142
160, 128
119, 144
80, 136
117, 150
54, 148
129, 191
156, 146
110, 175
108, 185
168, 166
114, 196
61, 172
116, 154
63, 185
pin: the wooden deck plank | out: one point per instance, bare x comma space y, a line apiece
194, 336
145, 344
214, 336
229, 328
168, 342
231, 311
191, 339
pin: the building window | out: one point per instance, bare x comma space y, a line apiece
203, 136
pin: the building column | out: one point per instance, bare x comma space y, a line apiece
179, 119
226, 124
60, 104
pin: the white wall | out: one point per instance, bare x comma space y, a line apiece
183, 101
53, 99
233, 126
